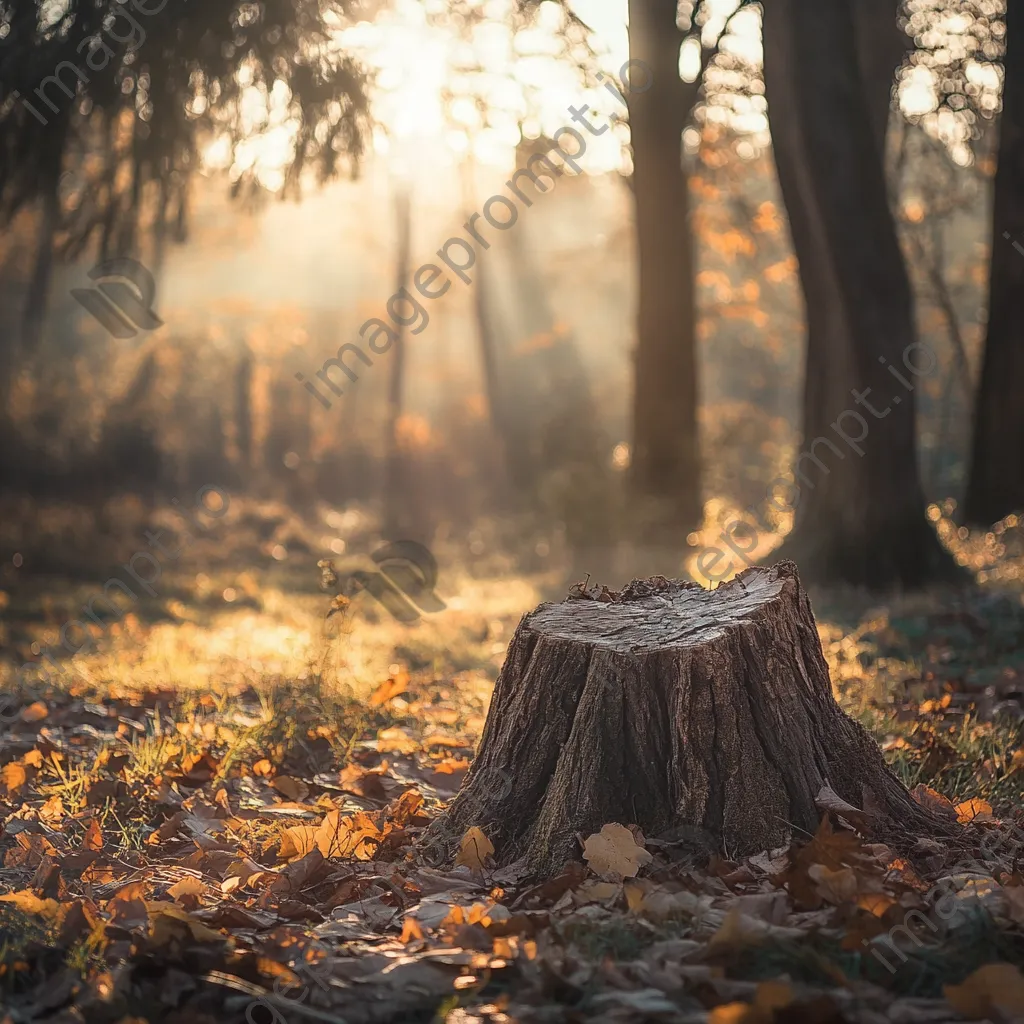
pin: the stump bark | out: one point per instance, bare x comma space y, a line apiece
685, 711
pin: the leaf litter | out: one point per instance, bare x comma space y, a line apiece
256, 859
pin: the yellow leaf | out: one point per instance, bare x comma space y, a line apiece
634, 897
992, 989
27, 901
474, 849
614, 852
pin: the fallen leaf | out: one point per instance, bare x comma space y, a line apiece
13, 777
28, 902
615, 853
93, 838
836, 887
293, 789
828, 800
389, 689
35, 712
992, 989
474, 850
188, 889
973, 810
933, 801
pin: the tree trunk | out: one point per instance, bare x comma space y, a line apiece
396, 494
859, 506
665, 466
996, 485
688, 712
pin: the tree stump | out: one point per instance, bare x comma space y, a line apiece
688, 712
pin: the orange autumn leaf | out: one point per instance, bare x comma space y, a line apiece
93, 838
35, 712
13, 777
973, 810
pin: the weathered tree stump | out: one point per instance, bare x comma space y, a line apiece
682, 710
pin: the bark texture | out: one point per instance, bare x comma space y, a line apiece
689, 712
996, 485
860, 509
666, 464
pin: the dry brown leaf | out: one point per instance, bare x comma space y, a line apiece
93, 838
168, 922
263, 768
614, 852
474, 850
297, 841
291, 788
1015, 902
933, 801
188, 889
828, 800
354, 779
773, 995
994, 988
836, 887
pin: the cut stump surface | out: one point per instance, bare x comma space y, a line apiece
695, 714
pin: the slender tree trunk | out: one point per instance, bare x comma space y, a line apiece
859, 504
243, 412
395, 484
666, 468
37, 294
996, 483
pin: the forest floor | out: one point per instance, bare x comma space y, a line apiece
213, 816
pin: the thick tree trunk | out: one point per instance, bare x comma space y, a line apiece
665, 468
688, 712
996, 485
859, 503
